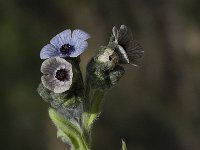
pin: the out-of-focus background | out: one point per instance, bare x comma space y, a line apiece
156, 107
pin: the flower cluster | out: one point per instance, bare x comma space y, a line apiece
75, 105
57, 71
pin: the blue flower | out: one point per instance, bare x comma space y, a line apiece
66, 44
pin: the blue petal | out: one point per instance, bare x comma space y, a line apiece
62, 38
48, 51
79, 35
79, 48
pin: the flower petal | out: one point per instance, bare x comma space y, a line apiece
123, 58
125, 35
135, 53
48, 51
79, 35
49, 66
62, 38
49, 82
62, 88
80, 47
115, 33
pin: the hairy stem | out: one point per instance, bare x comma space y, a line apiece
92, 109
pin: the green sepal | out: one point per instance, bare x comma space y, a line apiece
58, 99
71, 102
44, 93
103, 79
71, 112
70, 130
113, 45
112, 38
100, 51
96, 75
115, 75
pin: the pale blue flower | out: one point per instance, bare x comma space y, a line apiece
57, 74
66, 44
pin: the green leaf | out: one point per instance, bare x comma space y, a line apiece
61, 135
72, 132
123, 145
94, 110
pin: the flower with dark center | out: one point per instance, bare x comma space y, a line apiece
62, 75
57, 74
66, 44
129, 50
66, 49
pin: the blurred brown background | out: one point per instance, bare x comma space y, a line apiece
156, 107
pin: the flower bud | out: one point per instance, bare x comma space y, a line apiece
109, 58
103, 78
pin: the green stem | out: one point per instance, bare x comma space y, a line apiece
95, 107
92, 109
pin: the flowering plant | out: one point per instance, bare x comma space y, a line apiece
75, 105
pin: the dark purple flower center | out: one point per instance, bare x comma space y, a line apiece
66, 49
62, 75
